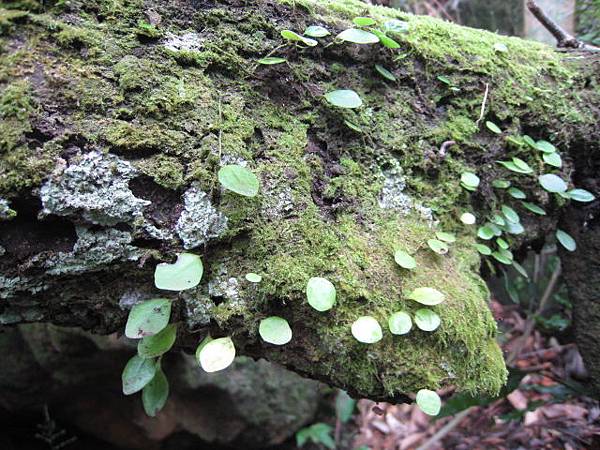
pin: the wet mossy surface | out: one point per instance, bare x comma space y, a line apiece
177, 96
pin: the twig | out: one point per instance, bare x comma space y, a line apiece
485, 97
442, 432
565, 40
445, 146
531, 321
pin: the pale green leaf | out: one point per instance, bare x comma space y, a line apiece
185, 273
363, 21
441, 248
357, 36
545, 147
469, 180
214, 355
291, 36
446, 237
399, 323
483, 249
148, 318
552, 183
138, 372
493, 127
427, 296
275, 330
510, 214
384, 72
468, 218
581, 195
533, 208
253, 277
429, 402
316, 31
566, 240
344, 98
516, 193
155, 393
552, 159
158, 344
320, 293
239, 179
404, 260
427, 320
271, 60
367, 330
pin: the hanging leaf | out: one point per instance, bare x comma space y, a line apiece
357, 36
291, 36
344, 98
367, 330
239, 180
429, 402
185, 273
581, 195
316, 31
441, 248
155, 393
215, 354
385, 73
148, 318
446, 237
344, 406
253, 277
510, 214
533, 208
552, 159
138, 372
160, 343
275, 330
519, 268
427, 320
320, 293
469, 181
483, 249
552, 183
427, 296
545, 147
493, 127
516, 193
468, 218
566, 240
404, 260
363, 21
500, 257
271, 60
399, 323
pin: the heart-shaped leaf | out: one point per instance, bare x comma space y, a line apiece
427, 296
215, 354
138, 372
429, 402
160, 343
148, 318
155, 393
185, 273
275, 330
399, 323
344, 98
427, 320
366, 329
320, 293
404, 260
239, 180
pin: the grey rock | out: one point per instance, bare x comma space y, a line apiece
200, 221
95, 188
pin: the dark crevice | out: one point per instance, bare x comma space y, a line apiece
25, 235
166, 204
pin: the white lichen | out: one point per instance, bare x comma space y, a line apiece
184, 42
95, 188
221, 285
200, 221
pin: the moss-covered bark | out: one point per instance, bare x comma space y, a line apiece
117, 114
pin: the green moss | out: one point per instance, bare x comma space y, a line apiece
9, 17
166, 171
126, 136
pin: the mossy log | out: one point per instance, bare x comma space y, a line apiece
117, 114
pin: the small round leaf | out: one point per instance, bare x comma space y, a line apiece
316, 31
483, 249
469, 180
275, 330
429, 402
427, 296
427, 320
320, 293
148, 318
357, 36
399, 323
215, 354
468, 218
253, 277
366, 329
552, 183
239, 180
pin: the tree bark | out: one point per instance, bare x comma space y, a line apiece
116, 116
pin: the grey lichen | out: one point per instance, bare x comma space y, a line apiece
184, 42
94, 250
200, 221
221, 285
198, 308
96, 188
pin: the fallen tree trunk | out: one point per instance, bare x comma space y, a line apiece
116, 116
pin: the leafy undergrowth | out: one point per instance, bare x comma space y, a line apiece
548, 410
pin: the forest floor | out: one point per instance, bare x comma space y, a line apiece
548, 410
